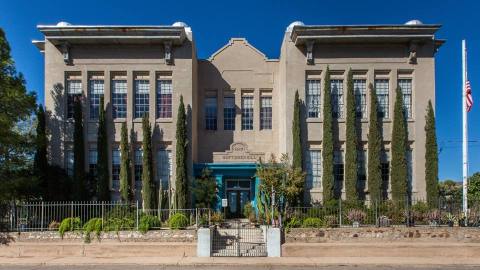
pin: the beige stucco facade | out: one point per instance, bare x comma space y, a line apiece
238, 69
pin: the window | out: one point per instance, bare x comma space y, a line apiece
337, 98
164, 99
361, 171
69, 162
314, 169
211, 113
313, 98
247, 112
164, 168
96, 90
229, 113
406, 87
266, 113
116, 169
92, 161
338, 172
119, 99
142, 88
74, 92
138, 167
385, 167
360, 87
382, 90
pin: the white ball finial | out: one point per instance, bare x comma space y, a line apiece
180, 24
62, 24
290, 26
414, 22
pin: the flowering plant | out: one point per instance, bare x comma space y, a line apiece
356, 215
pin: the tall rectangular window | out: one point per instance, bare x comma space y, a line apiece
385, 168
92, 161
247, 112
164, 98
74, 92
337, 98
138, 168
360, 89
382, 90
361, 170
314, 169
406, 87
229, 113
119, 98
164, 168
313, 98
116, 169
338, 172
96, 91
211, 113
69, 162
142, 94
266, 112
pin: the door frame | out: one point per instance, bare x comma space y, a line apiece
238, 191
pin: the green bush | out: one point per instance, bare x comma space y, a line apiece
312, 222
178, 221
116, 224
147, 222
68, 225
294, 222
93, 225
249, 212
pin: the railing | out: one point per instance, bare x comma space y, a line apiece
383, 214
43, 216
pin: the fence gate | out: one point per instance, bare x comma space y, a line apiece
238, 239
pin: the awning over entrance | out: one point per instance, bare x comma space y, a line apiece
236, 182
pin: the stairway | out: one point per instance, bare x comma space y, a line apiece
237, 239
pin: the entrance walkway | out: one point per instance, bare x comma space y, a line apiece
238, 238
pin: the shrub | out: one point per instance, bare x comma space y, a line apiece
68, 225
54, 225
330, 221
293, 223
312, 222
93, 225
178, 221
356, 215
217, 217
249, 212
433, 216
117, 224
147, 222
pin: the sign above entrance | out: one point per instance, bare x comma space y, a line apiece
238, 153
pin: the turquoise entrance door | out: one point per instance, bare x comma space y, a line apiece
238, 195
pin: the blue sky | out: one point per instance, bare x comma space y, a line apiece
263, 24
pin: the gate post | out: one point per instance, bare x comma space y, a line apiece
274, 244
204, 242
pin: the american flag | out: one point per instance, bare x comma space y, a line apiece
468, 91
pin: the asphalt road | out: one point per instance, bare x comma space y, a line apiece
208, 267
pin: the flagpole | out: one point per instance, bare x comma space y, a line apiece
465, 130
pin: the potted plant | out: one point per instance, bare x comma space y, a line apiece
356, 216
433, 217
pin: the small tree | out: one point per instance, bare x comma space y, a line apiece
147, 165
474, 188
297, 138
125, 173
103, 172
399, 171
431, 157
79, 174
374, 169
40, 165
205, 190
327, 141
351, 143
181, 183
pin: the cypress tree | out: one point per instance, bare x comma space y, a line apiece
181, 183
125, 174
103, 173
431, 157
297, 134
79, 174
374, 169
327, 140
399, 171
147, 165
351, 143
40, 165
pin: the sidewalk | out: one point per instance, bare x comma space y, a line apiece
194, 261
